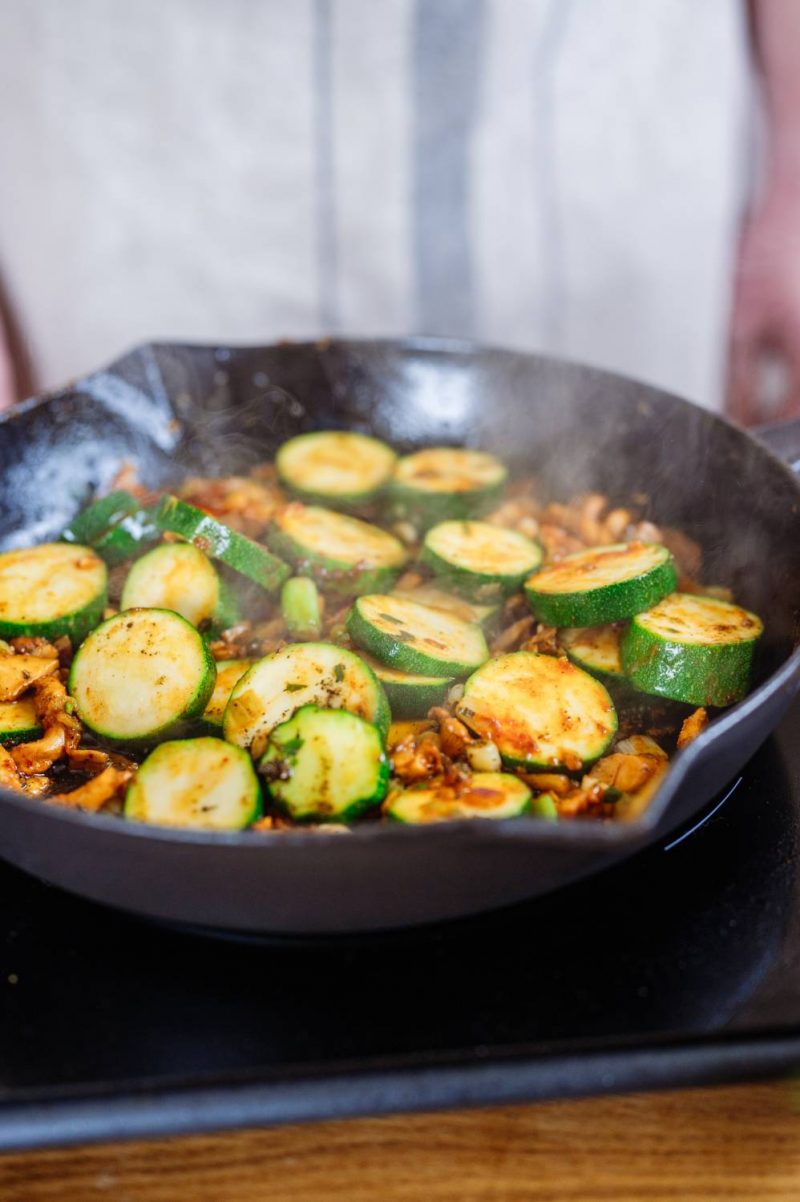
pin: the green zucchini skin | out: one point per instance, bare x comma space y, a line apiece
544, 807
410, 696
140, 675
132, 535
116, 526
219, 541
596, 604
301, 674
413, 699
712, 672
18, 722
98, 516
51, 590
344, 459
485, 795
344, 575
196, 784
301, 609
227, 613
325, 765
415, 638
438, 483
425, 510
596, 649
495, 566
180, 577
542, 712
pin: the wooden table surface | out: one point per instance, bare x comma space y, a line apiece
734, 1143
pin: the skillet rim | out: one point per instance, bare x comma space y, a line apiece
785, 678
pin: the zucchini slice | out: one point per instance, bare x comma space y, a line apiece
96, 518
139, 674
692, 648
544, 806
445, 482
50, 590
18, 721
410, 695
130, 536
219, 541
416, 638
602, 584
483, 795
437, 598
540, 711
325, 765
178, 576
338, 468
342, 553
229, 673
296, 675
479, 560
197, 784
115, 526
301, 609
595, 648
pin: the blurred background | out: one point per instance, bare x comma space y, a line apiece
567, 176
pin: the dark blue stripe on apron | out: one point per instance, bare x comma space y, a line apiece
446, 68
552, 286
324, 165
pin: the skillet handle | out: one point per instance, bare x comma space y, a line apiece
783, 439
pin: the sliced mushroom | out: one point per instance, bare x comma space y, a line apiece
418, 759
454, 738
34, 645
38, 756
9, 773
97, 792
19, 672
53, 706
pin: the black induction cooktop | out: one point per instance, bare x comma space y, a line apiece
682, 965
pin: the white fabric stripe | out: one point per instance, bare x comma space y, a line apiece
372, 122
324, 158
505, 225
167, 149
649, 232
634, 144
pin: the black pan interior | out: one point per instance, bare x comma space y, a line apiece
178, 409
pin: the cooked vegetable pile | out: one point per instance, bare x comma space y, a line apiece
346, 635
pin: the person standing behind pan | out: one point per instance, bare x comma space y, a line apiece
565, 176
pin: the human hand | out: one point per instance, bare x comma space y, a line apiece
7, 376
764, 363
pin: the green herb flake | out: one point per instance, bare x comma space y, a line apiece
292, 747
338, 672
293, 688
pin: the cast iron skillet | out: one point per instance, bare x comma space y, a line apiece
172, 409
